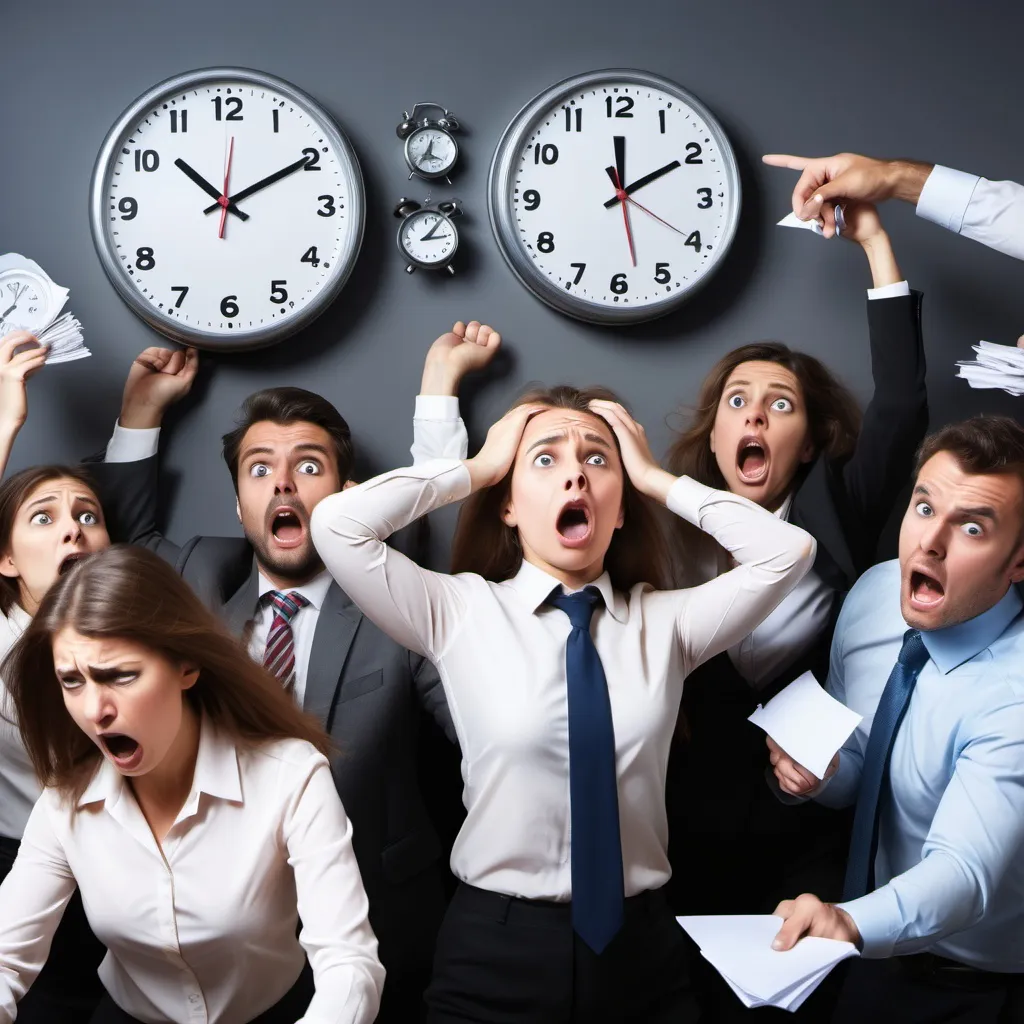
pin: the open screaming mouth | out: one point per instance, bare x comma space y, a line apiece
286, 526
122, 748
925, 589
574, 521
752, 460
69, 561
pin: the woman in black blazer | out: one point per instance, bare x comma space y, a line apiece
777, 427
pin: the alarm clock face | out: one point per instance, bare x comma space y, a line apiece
227, 207
25, 302
428, 238
431, 152
614, 195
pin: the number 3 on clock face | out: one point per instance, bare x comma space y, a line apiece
614, 196
227, 208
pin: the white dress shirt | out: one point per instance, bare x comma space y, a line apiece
500, 652
19, 788
990, 212
201, 928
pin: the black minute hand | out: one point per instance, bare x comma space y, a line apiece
209, 189
645, 180
261, 184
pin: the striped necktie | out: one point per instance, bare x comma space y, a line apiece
279, 654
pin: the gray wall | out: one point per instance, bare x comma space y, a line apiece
932, 80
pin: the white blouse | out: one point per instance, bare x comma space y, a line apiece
19, 787
201, 928
500, 652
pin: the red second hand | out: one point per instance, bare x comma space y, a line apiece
223, 200
622, 196
655, 216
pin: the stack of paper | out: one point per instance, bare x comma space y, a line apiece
31, 301
997, 366
740, 949
809, 724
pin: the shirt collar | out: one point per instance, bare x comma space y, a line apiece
952, 646
216, 772
534, 585
315, 591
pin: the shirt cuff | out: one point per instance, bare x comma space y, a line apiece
877, 917
130, 444
946, 196
686, 497
436, 407
889, 291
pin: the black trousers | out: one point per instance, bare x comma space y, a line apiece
67, 989
502, 960
287, 1011
908, 990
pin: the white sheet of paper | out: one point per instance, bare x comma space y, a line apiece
807, 723
739, 948
791, 220
996, 366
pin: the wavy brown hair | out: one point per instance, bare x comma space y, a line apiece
131, 594
484, 544
13, 492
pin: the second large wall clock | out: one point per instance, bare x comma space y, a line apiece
227, 208
614, 195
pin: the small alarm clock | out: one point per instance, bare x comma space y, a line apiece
427, 236
430, 149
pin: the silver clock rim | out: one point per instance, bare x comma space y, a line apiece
502, 218
211, 340
431, 175
418, 263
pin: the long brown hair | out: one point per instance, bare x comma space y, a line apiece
131, 594
484, 544
13, 492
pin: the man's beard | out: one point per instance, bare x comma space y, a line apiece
304, 564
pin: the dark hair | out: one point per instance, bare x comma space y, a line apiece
13, 492
833, 415
484, 544
130, 593
981, 444
284, 406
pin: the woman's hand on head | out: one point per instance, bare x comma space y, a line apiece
498, 453
639, 463
159, 377
15, 368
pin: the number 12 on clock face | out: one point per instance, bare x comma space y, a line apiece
614, 196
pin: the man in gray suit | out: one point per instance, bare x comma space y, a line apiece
289, 449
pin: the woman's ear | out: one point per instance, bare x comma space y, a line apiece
808, 453
8, 568
189, 675
508, 516
711, 440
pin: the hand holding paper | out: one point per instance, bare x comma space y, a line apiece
808, 916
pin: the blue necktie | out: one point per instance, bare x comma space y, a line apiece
860, 867
597, 894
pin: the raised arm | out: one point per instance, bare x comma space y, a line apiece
15, 370
771, 555
32, 901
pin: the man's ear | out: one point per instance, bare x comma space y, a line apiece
8, 568
238, 510
1016, 566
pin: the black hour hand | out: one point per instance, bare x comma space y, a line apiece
209, 189
645, 180
432, 233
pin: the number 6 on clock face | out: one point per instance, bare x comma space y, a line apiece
227, 208
614, 195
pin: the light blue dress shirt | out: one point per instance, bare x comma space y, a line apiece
950, 864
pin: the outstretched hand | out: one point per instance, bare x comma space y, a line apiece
159, 377
464, 349
15, 369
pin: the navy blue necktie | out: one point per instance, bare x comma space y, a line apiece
860, 867
597, 894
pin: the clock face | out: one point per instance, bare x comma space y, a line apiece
614, 196
25, 303
228, 208
431, 152
428, 238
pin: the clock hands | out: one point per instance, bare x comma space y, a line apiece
621, 194
261, 184
640, 182
209, 189
620, 159
625, 210
223, 200
430, 236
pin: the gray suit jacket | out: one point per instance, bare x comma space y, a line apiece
366, 690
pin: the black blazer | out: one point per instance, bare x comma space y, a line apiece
365, 689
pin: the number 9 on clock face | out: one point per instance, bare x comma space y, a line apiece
227, 208
614, 196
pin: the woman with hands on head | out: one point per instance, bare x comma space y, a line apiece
191, 803
779, 428
563, 668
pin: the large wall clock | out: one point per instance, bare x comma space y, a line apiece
227, 208
614, 195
